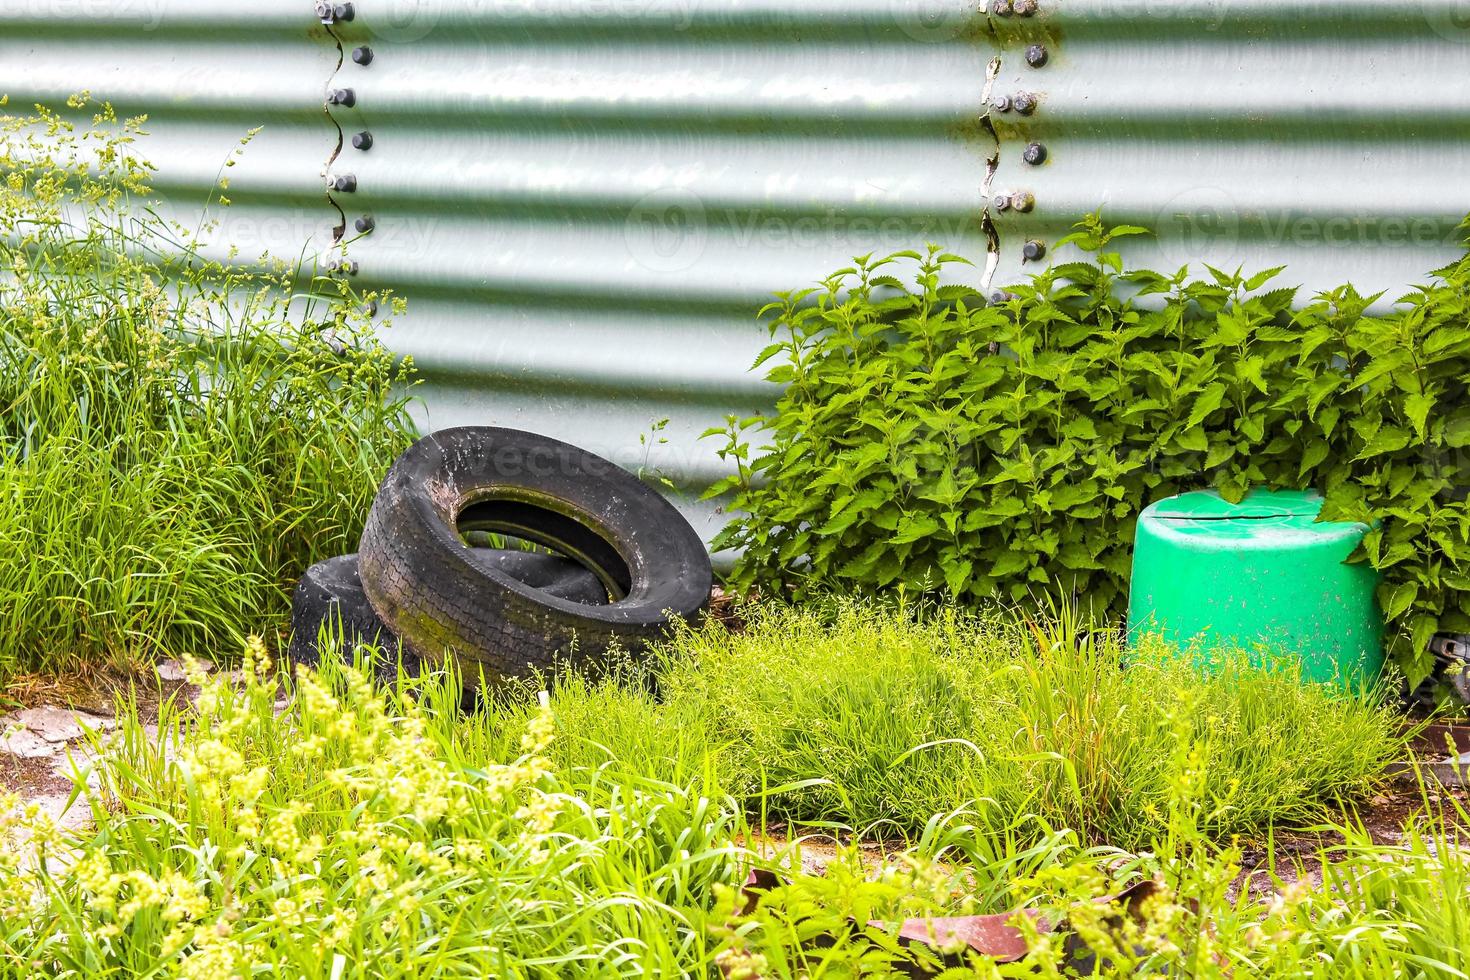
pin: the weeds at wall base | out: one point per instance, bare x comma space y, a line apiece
874, 719
176, 445
927, 439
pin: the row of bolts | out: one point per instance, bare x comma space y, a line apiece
347, 98
1023, 103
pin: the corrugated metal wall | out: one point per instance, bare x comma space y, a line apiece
585, 201
1326, 135
204, 74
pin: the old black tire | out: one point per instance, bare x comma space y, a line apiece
330, 593
550, 574
431, 590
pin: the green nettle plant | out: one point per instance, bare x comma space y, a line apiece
929, 441
178, 439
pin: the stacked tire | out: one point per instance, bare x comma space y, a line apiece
614, 564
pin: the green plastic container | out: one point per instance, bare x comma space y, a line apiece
1261, 574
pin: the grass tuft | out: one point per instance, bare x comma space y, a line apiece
888, 717
177, 440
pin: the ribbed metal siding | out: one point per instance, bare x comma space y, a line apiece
204, 74
1325, 135
585, 201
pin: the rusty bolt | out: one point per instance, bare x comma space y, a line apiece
342, 96
1023, 201
1036, 55
1034, 154
362, 55
1024, 103
1033, 251
346, 183
1001, 103
362, 140
1024, 8
344, 11
1002, 202
364, 224
1001, 8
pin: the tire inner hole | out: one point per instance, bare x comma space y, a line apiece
544, 550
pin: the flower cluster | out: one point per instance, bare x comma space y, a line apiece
336, 818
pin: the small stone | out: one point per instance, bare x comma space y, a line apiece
56, 724
173, 670
24, 744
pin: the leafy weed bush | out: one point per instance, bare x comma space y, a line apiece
175, 444
926, 439
879, 719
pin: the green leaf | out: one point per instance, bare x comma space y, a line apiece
1457, 430
1396, 599
1416, 407
1208, 401
1312, 455
1261, 278
767, 352
1220, 452
915, 526
1194, 440
1388, 439
1009, 564
957, 576
1421, 630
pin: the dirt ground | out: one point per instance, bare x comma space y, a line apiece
43, 737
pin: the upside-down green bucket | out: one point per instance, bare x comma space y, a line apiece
1263, 574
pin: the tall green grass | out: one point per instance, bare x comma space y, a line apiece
356, 835
177, 440
885, 718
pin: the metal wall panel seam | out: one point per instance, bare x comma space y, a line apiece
329, 13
